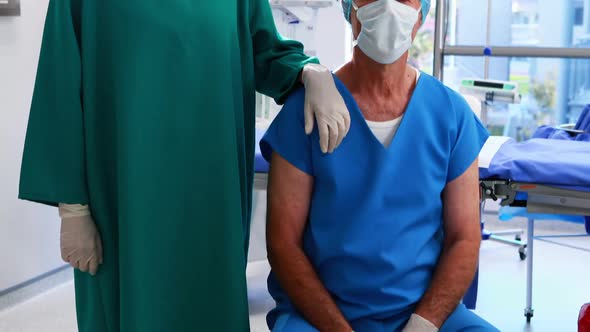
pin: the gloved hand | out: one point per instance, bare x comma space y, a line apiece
419, 324
324, 102
81, 245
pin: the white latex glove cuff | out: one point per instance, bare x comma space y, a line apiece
68, 211
419, 324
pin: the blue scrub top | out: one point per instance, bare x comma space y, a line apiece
375, 232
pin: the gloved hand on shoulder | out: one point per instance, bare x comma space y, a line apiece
325, 105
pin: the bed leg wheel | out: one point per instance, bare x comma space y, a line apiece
522, 253
518, 238
528, 313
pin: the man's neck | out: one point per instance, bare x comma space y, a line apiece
374, 79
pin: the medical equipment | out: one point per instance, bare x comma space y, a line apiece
491, 92
541, 199
545, 176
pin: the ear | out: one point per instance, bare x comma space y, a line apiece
417, 26
354, 24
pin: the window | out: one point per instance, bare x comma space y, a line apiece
579, 16
553, 90
421, 53
517, 22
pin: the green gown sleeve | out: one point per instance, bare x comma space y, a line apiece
53, 167
277, 61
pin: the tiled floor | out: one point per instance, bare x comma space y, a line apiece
561, 286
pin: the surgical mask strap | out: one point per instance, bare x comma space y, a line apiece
356, 8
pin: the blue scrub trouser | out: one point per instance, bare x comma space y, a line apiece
461, 320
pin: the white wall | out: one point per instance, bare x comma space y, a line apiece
333, 45
29, 233
327, 40
328, 37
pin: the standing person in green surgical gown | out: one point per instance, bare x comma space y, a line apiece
142, 131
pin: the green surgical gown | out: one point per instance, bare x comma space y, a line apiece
145, 110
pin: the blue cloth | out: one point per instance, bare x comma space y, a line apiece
584, 120
460, 320
375, 228
583, 124
544, 161
548, 132
260, 165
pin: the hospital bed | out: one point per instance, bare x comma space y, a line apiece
542, 175
545, 176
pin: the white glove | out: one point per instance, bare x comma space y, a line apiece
324, 103
419, 324
81, 245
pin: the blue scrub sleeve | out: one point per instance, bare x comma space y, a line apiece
469, 139
286, 135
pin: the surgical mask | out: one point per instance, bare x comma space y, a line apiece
386, 29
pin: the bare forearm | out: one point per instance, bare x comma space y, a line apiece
304, 288
453, 275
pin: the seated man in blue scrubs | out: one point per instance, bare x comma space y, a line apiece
383, 234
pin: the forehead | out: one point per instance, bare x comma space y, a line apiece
412, 3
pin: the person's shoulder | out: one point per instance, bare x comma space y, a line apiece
297, 97
448, 99
293, 108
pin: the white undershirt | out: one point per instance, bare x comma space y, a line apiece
385, 131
